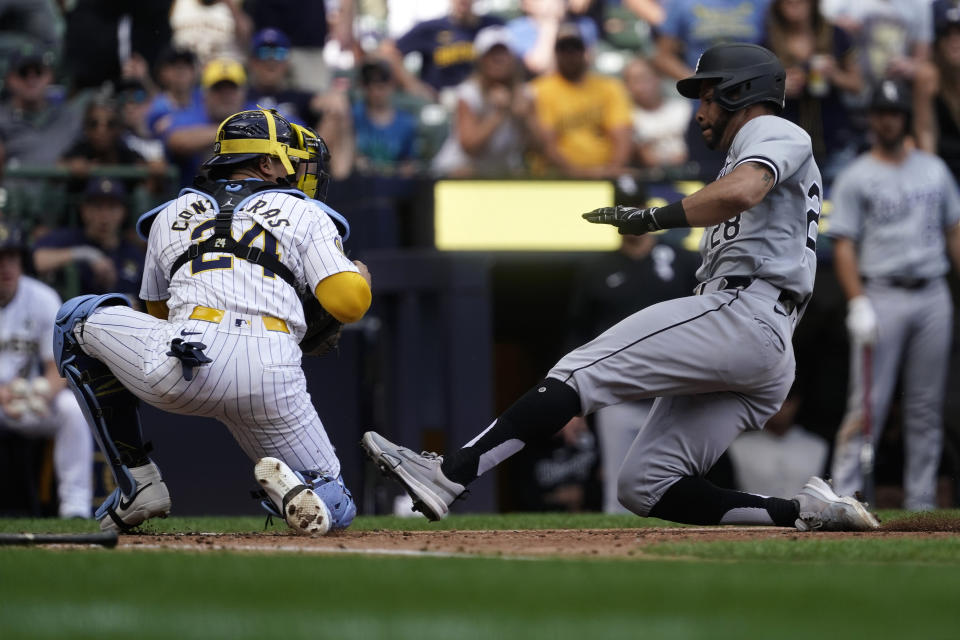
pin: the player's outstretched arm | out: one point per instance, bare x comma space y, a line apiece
743, 188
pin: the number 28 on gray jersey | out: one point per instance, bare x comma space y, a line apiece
776, 239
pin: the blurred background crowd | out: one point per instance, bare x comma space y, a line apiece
108, 107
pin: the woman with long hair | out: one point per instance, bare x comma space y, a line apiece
493, 123
821, 65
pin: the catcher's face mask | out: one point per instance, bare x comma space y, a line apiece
312, 177
287, 154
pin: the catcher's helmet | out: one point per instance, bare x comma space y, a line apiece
248, 134
745, 73
892, 95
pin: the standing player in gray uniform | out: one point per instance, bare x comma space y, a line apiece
719, 362
227, 263
895, 219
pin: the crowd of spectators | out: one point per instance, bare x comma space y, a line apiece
449, 87
108, 108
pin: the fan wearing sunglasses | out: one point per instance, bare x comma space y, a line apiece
36, 127
100, 142
270, 87
269, 65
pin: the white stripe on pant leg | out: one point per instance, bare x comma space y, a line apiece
496, 455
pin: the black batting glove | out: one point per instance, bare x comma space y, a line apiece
628, 220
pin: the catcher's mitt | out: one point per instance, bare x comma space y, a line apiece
323, 330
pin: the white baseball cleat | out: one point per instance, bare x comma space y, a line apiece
303, 509
151, 499
419, 473
821, 509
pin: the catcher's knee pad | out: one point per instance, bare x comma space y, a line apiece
71, 313
110, 409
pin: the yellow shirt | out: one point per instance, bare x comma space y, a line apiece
583, 115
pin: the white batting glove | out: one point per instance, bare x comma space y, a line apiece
861, 320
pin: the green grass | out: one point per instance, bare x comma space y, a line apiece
50, 594
810, 586
809, 548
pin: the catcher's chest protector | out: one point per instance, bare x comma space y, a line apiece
227, 195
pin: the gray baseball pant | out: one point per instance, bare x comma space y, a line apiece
718, 364
914, 328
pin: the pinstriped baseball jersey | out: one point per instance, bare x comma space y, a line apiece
254, 383
776, 239
296, 230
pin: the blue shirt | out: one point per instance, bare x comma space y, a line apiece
162, 106
700, 24
126, 257
446, 48
384, 145
524, 30
195, 115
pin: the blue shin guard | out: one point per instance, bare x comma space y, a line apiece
108, 407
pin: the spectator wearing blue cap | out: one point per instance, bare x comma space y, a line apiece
105, 261
269, 67
308, 25
329, 113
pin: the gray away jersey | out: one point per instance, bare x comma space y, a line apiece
896, 214
776, 239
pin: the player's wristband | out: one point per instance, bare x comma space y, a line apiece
671, 216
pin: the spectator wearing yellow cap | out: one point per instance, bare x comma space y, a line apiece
191, 133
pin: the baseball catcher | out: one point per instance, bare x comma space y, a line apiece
245, 272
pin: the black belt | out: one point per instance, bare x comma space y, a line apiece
787, 299
901, 282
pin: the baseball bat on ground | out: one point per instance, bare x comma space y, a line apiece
102, 538
866, 447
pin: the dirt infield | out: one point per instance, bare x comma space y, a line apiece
529, 543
